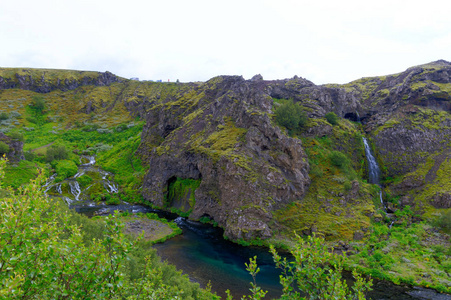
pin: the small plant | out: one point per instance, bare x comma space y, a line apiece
38, 104
4, 116
332, 118
291, 116
15, 135
56, 153
338, 159
4, 148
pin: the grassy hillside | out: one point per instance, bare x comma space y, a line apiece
411, 244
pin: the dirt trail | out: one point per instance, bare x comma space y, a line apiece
42, 147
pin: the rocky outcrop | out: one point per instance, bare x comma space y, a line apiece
223, 136
15, 148
409, 141
44, 81
318, 99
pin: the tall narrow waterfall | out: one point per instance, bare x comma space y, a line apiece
374, 172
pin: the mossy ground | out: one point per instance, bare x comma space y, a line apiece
96, 120
416, 254
18, 174
327, 208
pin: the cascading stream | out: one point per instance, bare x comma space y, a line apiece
77, 194
374, 172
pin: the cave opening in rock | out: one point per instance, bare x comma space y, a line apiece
353, 116
180, 194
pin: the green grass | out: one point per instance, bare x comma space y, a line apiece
16, 175
337, 163
403, 254
127, 167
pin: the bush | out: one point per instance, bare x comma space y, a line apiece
332, 118
16, 136
65, 169
4, 148
38, 104
4, 116
314, 270
56, 153
84, 180
29, 155
444, 221
291, 116
338, 159
14, 114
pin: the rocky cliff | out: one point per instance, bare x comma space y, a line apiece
214, 151
44, 81
222, 134
15, 152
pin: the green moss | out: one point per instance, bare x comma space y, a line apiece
403, 254
221, 142
65, 169
180, 194
328, 207
389, 124
84, 180
19, 174
128, 169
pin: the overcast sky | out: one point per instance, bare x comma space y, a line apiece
194, 40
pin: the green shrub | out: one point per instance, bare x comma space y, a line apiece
338, 159
332, 118
29, 155
37, 104
65, 169
4, 148
444, 221
15, 135
56, 153
84, 180
4, 116
314, 270
113, 199
32, 120
291, 116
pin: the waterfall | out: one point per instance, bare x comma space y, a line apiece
58, 188
374, 172
111, 187
75, 189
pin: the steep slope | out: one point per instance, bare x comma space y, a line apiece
221, 134
213, 150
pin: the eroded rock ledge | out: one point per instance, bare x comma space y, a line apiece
222, 135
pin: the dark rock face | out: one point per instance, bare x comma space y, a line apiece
15, 148
260, 169
442, 200
248, 167
403, 147
46, 83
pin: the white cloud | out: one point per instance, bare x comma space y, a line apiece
324, 41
